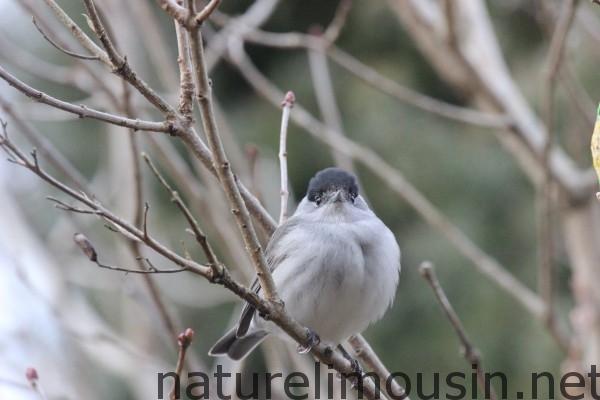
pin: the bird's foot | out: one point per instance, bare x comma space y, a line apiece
355, 377
328, 352
313, 340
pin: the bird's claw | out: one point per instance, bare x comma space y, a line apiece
357, 369
313, 340
357, 373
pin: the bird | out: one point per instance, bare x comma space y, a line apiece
335, 264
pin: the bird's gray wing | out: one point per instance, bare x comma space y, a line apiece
273, 261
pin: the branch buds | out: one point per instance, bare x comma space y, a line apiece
185, 338
86, 246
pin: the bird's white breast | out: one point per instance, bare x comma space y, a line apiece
337, 277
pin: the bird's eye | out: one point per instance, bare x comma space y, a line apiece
318, 200
352, 196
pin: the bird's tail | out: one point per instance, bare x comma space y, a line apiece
235, 347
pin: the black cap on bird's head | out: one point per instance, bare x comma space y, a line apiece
326, 183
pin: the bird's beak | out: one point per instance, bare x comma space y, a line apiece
338, 196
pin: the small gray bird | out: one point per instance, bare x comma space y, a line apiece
335, 265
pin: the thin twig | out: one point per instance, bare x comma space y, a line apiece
32, 64
287, 105
369, 359
46, 148
333, 30
469, 351
93, 18
88, 249
135, 155
34, 381
213, 262
121, 67
207, 11
184, 340
97, 83
83, 111
166, 317
95, 207
179, 170
156, 43
223, 168
67, 52
547, 263
411, 97
371, 76
325, 95
77, 32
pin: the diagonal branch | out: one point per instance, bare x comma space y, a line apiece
223, 168
77, 32
121, 67
83, 111
56, 45
469, 351
211, 257
95, 207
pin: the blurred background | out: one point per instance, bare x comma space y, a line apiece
95, 333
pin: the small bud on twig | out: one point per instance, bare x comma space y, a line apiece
289, 100
185, 338
86, 246
31, 374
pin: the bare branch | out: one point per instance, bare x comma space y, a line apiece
334, 29
93, 18
77, 32
547, 264
121, 67
324, 92
222, 166
88, 249
287, 105
369, 359
416, 99
207, 11
184, 340
469, 351
213, 262
96, 208
156, 43
369, 75
46, 148
67, 52
83, 111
